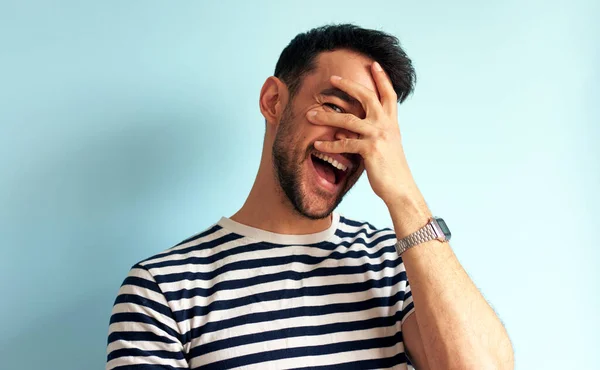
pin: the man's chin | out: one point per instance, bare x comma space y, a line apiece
318, 209
316, 215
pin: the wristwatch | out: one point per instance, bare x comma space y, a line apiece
436, 228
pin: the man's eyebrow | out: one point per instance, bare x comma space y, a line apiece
334, 91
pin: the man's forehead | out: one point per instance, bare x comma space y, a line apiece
344, 63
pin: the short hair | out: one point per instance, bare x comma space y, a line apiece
298, 58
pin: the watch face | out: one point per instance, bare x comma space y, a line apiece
444, 228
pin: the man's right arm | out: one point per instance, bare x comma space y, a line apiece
143, 332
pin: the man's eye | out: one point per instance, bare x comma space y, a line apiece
334, 107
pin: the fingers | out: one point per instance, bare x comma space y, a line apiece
342, 120
341, 146
389, 98
367, 97
371, 103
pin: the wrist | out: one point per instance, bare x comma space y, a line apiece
409, 213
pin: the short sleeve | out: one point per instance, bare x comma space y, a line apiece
408, 307
143, 333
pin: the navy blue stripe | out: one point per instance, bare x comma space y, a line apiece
284, 275
346, 221
408, 307
138, 317
377, 322
260, 246
263, 262
306, 311
376, 363
320, 350
203, 234
254, 247
347, 234
143, 283
137, 352
146, 336
197, 247
362, 224
144, 302
149, 367
281, 294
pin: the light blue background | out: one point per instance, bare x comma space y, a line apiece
127, 126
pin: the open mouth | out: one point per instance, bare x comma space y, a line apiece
329, 169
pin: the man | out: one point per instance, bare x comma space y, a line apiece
288, 283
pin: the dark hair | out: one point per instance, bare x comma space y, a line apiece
298, 58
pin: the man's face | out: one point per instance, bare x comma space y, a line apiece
314, 186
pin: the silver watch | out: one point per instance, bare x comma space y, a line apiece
436, 228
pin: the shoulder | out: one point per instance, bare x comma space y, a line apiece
202, 244
353, 228
170, 270
356, 223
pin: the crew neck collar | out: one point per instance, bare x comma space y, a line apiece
270, 237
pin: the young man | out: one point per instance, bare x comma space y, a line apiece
288, 283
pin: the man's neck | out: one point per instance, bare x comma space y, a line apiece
267, 208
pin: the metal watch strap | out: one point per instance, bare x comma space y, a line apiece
424, 234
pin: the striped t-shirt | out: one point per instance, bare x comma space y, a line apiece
235, 296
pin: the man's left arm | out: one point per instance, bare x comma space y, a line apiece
453, 327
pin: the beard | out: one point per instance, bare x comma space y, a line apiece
288, 163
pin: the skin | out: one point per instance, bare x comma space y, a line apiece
453, 327
267, 206
290, 163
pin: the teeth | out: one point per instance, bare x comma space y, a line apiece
331, 161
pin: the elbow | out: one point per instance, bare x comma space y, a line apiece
491, 363
507, 361
505, 357
501, 358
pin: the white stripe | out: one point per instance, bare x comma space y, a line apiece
149, 360
146, 311
144, 345
141, 273
143, 292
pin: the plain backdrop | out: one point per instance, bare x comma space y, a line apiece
127, 126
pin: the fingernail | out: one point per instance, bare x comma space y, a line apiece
336, 77
318, 143
378, 67
312, 113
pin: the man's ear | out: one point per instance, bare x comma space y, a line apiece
273, 98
